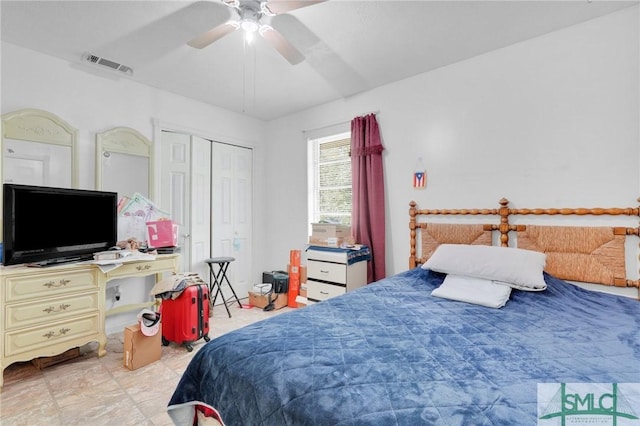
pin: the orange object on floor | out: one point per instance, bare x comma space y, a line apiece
294, 278
294, 257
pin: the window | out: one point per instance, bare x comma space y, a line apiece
330, 179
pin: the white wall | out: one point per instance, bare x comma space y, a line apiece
550, 122
92, 103
547, 122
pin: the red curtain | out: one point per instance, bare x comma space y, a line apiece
368, 216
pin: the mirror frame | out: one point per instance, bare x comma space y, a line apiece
123, 140
36, 125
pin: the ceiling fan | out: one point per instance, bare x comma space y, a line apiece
250, 14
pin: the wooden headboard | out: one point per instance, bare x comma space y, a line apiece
590, 254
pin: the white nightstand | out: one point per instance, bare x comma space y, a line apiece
332, 273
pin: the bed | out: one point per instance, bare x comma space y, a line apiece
391, 353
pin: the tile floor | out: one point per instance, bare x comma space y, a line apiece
100, 391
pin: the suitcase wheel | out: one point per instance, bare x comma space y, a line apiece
165, 342
206, 338
188, 346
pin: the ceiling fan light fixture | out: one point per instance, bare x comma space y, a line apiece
249, 19
249, 25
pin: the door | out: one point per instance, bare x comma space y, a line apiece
207, 188
232, 206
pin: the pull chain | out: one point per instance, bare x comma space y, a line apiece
244, 72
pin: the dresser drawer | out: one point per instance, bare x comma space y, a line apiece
322, 291
327, 256
325, 271
144, 268
45, 311
21, 341
51, 284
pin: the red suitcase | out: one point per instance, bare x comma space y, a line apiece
186, 318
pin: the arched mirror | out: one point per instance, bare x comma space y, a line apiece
38, 148
124, 162
124, 165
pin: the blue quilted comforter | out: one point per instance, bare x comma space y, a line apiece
391, 354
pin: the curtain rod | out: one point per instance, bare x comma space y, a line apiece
340, 123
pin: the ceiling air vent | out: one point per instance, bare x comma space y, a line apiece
107, 63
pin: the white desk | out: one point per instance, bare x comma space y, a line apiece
47, 311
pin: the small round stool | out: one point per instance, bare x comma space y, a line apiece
216, 279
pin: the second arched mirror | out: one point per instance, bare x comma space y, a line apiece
124, 162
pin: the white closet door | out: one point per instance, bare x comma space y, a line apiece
175, 184
232, 212
207, 188
200, 206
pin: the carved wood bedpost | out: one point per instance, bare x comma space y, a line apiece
504, 222
412, 227
638, 281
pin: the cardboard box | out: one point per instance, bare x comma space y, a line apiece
329, 241
326, 230
140, 350
162, 233
261, 300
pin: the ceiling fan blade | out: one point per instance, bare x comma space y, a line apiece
278, 42
214, 34
327, 63
283, 6
168, 32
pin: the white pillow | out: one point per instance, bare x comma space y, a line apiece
521, 287
522, 268
473, 290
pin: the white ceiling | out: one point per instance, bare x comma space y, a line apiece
349, 46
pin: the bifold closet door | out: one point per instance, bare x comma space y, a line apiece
231, 196
186, 193
207, 187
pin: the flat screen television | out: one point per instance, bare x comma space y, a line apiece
44, 226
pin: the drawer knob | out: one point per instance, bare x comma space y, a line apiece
143, 268
323, 271
60, 283
51, 334
62, 307
324, 292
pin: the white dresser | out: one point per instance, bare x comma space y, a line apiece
46, 311
330, 273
